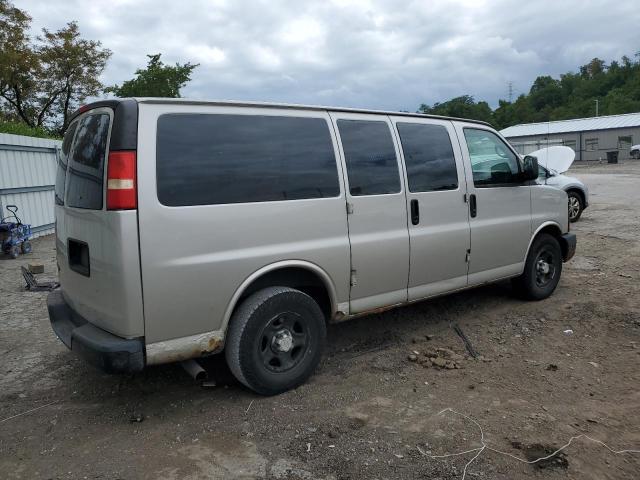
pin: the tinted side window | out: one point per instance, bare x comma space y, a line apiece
86, 165
218, 159
492, 162
61, 171
428, 156
372, 166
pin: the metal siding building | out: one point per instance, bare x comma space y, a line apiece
27, 179
591, 138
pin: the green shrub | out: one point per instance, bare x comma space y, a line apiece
19, 128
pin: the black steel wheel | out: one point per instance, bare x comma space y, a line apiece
542, 269
275, 340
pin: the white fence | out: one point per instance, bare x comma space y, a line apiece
27, 179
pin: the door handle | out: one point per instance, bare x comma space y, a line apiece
473, 206
415, 212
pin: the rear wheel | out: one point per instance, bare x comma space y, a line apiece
542, 269
14, 252
275, 340
26, 247
576, 205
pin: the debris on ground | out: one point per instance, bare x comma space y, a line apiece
536, 450
467, 343
36, 267
444, 358
136, 417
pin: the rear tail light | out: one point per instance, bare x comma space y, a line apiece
121, 181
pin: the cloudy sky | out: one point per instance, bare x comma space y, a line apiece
362, 53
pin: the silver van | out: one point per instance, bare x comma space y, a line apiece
187, 228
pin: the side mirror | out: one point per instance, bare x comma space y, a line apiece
530, 168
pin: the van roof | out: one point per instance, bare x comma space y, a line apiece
186, 101
296, 106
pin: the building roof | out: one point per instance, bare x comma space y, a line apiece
576, 125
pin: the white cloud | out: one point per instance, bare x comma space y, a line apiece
391, 54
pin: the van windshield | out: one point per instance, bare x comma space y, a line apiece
86, 162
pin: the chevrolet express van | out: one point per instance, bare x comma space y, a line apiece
189, 228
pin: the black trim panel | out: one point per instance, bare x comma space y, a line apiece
124, 130
568, 243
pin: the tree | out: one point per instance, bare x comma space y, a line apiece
73, 66
573, 95
42, 82
19, 66
157, 80
463, 107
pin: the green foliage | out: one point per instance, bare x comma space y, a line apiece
463, 107
616, 87
157, 80
21, 128
43, 81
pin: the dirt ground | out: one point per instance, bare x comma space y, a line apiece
369, 412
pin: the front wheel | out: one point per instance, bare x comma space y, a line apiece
14, 252
541, 270
275, 340
575, 206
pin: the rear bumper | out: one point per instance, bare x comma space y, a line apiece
100, 348
568, 246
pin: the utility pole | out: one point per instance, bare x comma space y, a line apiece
510, 86
597, 104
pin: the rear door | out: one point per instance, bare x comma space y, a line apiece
500, 205
97, 249
377, 209
439, 218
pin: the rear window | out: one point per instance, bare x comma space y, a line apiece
86, 162
205, 159
63, 156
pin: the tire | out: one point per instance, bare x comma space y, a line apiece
14, 252
542, 269
26, 247
575, 204
275, 340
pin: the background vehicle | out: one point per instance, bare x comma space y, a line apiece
250, 226
635, 152
577, 192
553, 162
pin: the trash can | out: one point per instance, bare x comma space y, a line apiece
612, 157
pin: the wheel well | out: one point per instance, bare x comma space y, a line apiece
294, 277
552, 230
555, 232
579, 192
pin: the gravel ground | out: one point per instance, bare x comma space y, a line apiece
370, 411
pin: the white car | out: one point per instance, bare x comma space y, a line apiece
552, 163
635, 152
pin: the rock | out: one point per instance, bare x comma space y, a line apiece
428, 337
412, 357
552, 367
594, 364
439, 362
